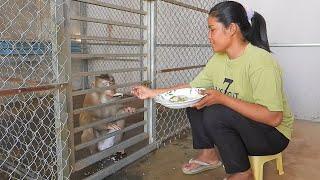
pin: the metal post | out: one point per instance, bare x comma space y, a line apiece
83, 32
150, 19
60, 110
142, 36
67, 54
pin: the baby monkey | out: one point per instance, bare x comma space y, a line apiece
88, 117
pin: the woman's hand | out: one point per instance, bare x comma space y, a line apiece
143, 92
212, 97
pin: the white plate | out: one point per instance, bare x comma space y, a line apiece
180, 98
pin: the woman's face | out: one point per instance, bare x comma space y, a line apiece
218, 35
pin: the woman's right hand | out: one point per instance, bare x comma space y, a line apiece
143, 92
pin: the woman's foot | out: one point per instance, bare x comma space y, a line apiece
205, 155
246, 175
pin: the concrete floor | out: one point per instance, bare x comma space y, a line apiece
301, 160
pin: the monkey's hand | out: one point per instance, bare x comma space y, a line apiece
130, 110
113, 127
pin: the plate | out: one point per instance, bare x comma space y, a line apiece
180, 98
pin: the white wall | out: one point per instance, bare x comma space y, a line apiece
295, 21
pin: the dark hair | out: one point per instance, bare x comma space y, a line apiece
228, 12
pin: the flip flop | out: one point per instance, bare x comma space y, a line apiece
203, 166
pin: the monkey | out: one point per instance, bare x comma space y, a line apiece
87, 117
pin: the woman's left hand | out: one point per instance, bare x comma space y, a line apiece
212, 97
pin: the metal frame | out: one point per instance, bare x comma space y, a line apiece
146, 70
115, 40
112, 6
95, 73
80, 92
179, 69
83, 32
102, 21
101, 56
69, 87
151, 19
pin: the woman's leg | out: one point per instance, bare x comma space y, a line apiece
199, 137
237, 137
200, 140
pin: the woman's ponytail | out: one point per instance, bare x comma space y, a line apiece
257, 34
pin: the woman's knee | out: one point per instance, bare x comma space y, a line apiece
194, 114
216, 115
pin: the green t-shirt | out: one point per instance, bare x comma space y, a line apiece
253, 77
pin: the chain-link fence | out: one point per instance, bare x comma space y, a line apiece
33, 116
182, 49
105, 36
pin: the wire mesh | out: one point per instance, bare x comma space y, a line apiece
33, 116
28, 49
29, 129
181, 42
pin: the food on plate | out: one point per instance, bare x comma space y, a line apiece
180, 98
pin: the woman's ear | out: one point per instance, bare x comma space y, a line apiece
232, 29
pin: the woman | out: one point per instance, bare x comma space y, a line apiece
245, 111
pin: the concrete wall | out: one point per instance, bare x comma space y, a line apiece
295, 22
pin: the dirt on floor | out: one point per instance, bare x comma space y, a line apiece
301, 160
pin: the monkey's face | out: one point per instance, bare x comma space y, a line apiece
100, 83
106, 83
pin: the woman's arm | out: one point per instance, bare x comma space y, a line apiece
252, 111
143, 92
179, 86
255, 112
